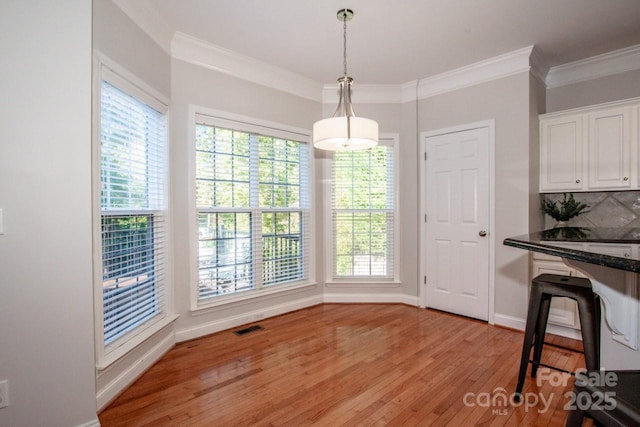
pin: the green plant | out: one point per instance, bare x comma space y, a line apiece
565, 209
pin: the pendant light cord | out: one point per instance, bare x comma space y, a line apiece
344, 29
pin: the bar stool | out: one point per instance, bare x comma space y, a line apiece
543, 288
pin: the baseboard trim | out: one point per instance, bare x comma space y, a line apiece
108, 393
509, 322
244, 318
411, 300
565, 331
93, 423
519, 324
370, 298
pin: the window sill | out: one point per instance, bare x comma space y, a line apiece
249, 295
117, 353
355, 283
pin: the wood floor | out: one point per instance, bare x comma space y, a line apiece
344, 365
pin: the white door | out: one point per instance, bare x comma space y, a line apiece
457, 220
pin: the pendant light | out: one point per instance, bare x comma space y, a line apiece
344, 131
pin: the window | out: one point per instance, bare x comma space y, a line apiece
252, 201
133, 210
363, 214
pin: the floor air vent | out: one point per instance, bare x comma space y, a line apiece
248, 330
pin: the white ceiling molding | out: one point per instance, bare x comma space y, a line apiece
539, 67
518, 61
365, 94
199, 52
149, 20
615, 62
410, 91
480, 72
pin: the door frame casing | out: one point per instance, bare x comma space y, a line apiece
490, 126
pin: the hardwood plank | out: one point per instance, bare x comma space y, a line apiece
345, 364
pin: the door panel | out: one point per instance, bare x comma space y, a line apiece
443, 194
561, 155
610, 149
443, 258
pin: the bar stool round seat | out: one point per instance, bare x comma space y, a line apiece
543, 289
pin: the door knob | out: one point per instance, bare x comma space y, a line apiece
482, 233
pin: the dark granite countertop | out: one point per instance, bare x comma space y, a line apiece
611, 247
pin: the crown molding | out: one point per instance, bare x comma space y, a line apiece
199, 52
149, 20
365, 94
518, 61
409, 91
494, 68
539, 67
615, 62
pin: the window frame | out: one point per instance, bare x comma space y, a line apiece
388, 139
241, 123
106, 69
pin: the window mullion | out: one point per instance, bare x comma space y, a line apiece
256, 212
256, 231
254, 176
370, 237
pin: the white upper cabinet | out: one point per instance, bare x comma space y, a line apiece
590, 149
561, 154
610, 149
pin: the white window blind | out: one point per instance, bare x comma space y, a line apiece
363, 214
252, 200
133, 202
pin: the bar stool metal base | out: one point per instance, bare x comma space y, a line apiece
543, 289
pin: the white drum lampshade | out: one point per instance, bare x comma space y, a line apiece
344, 131
333, 134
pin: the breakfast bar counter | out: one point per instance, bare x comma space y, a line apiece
610, 258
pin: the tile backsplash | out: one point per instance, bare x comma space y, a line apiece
606, 209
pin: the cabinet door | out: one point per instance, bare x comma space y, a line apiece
561, 154
563, 311
610, 149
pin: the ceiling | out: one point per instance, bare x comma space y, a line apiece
393, 42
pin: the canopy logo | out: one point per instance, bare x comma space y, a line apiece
500, 401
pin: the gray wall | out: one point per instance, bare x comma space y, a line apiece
595, 91
46, 297
507, 102
537, 106
115, 35
410, 201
